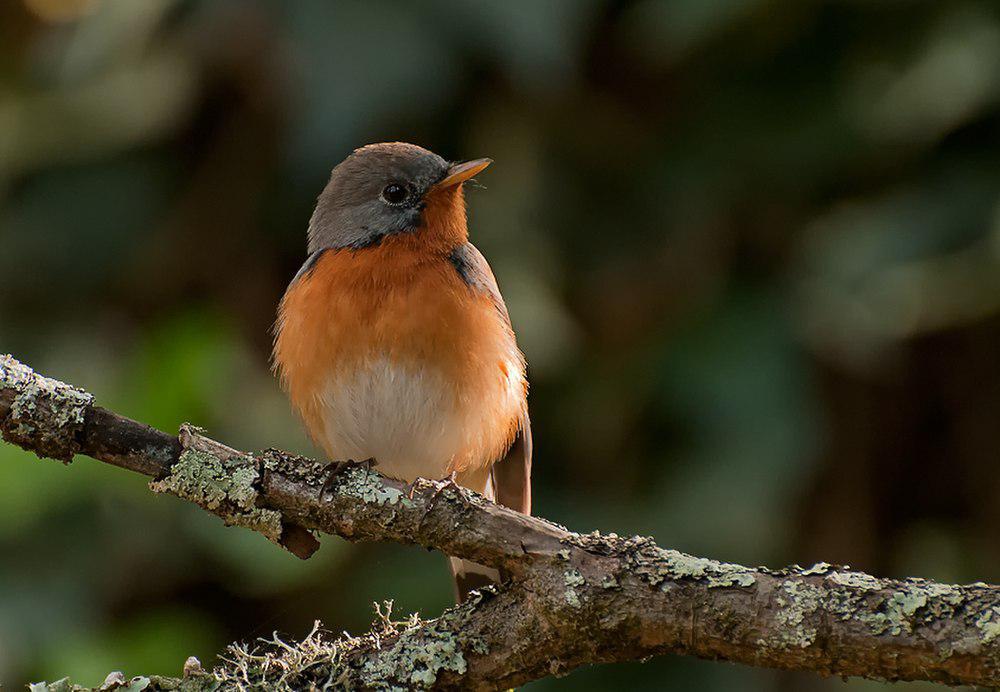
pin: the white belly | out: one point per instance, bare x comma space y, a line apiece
410, 419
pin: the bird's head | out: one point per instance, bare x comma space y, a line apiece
385, 190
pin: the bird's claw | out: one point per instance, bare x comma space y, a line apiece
449, 482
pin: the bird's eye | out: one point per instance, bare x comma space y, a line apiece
394, 193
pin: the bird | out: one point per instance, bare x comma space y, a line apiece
393, 342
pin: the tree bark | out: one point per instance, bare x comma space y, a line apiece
572, 599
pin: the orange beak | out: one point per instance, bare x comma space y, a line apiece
461, 172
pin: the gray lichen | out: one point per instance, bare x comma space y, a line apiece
899, 611
310, 471
360, 482
401, 655
890, 607
116, 681
13, 373
404, 655
671, 566
573, 578
416, 659
806, 596
46, 415
856, 580
225, 487
610, 582
797, 601
818, 568
988, 623
885, 607
661, 567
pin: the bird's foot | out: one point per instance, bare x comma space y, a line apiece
449, 482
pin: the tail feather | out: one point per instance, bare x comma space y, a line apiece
509, 483
469, 576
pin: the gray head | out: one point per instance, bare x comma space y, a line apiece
379, 190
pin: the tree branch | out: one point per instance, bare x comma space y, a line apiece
572, 600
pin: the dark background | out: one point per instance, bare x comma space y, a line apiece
751, 249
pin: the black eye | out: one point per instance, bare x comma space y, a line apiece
394, 193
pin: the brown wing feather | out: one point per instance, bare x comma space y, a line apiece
512, 474
509, 483
475, 271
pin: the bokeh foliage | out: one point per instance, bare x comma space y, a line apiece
751, 249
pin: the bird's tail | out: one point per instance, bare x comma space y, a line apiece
507, 482
469, 576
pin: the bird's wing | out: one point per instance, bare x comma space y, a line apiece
512, 474
476, 272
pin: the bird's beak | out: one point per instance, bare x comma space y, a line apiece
460, 172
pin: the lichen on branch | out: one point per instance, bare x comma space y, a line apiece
46, 414
227, 483
411, 653
572, 599
224, 487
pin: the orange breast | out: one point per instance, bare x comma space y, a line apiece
387, 353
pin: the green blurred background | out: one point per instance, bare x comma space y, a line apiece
751, 249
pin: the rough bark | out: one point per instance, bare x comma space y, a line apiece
572, 600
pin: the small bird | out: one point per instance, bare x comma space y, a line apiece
393, 341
